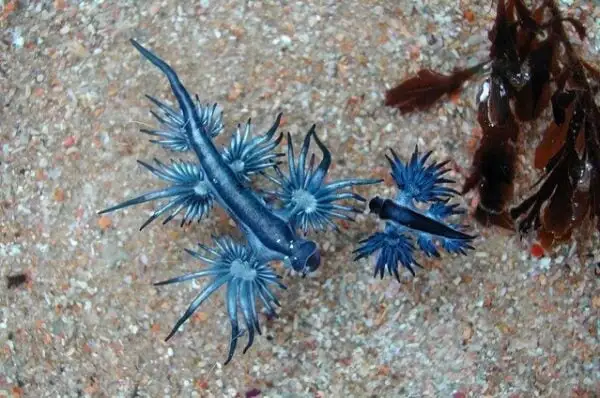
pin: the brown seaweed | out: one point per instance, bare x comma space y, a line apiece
421, 91
533, 65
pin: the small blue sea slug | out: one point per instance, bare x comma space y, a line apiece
420, 211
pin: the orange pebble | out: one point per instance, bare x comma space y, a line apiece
469, 16
104, 222
537, 250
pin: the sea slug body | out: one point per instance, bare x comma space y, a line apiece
305, 202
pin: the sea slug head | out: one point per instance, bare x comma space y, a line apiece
305, 256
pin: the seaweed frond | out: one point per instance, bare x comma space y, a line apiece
423, 90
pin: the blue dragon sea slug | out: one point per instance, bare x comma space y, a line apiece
304, 202
421, 210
